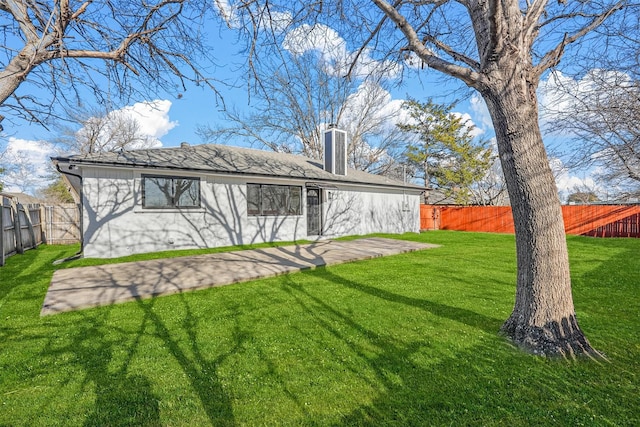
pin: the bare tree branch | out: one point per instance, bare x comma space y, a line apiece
467, 75
552, 57
532, 19
135, 45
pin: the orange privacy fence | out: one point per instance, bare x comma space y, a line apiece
588, 220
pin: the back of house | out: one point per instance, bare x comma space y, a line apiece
210, 195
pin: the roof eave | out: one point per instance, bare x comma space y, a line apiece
80, 162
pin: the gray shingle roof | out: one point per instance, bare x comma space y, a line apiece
226, 159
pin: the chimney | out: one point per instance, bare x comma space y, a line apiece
184, 144
335, 151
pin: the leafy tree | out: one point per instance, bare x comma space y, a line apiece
57, 192
468, 164
501, 49
445, 154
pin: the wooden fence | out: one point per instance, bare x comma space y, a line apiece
62, 224
25, 227
21, 228
587, 220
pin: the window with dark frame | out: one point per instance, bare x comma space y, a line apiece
273, 200
170, 192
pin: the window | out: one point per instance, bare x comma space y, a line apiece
169, 192
273, 200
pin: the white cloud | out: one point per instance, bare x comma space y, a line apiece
481, 112
228, 12
152, 117
560, 94
269, 19
375, 103
27, 164
568, 183
315, 37
468, 122
334, 52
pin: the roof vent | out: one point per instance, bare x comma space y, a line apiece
335, 151
184, 144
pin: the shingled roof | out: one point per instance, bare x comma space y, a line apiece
224, 159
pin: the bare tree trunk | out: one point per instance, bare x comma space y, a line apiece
543, 319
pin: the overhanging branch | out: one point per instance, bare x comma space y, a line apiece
467, 75
552, 58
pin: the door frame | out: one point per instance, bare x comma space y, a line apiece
318, 215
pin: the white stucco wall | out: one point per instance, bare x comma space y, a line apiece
361, 210
115, 224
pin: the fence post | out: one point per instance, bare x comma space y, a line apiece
32, 235
15, 211
43, 234
2, 208
48, 220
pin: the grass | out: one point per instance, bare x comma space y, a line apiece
403, 340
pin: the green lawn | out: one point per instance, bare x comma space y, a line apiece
403, 340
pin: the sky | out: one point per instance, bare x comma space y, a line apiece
168, 121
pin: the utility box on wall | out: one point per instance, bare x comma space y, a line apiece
335, 151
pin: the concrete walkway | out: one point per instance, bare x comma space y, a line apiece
84, 287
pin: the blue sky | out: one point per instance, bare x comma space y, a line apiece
175, 119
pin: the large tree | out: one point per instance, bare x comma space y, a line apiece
66, 49
500, 49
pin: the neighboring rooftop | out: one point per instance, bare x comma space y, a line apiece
24, 199
226, 159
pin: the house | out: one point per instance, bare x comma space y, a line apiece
209, 195
22, 198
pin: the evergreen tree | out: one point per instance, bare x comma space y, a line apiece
444, 152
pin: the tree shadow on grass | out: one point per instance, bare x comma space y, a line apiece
86, 349
124, 397
484, 381
468, 317
201, 371
29, 267
410, 393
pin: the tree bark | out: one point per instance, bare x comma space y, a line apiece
543, 319
16, 71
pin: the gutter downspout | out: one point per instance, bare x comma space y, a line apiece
79, 253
